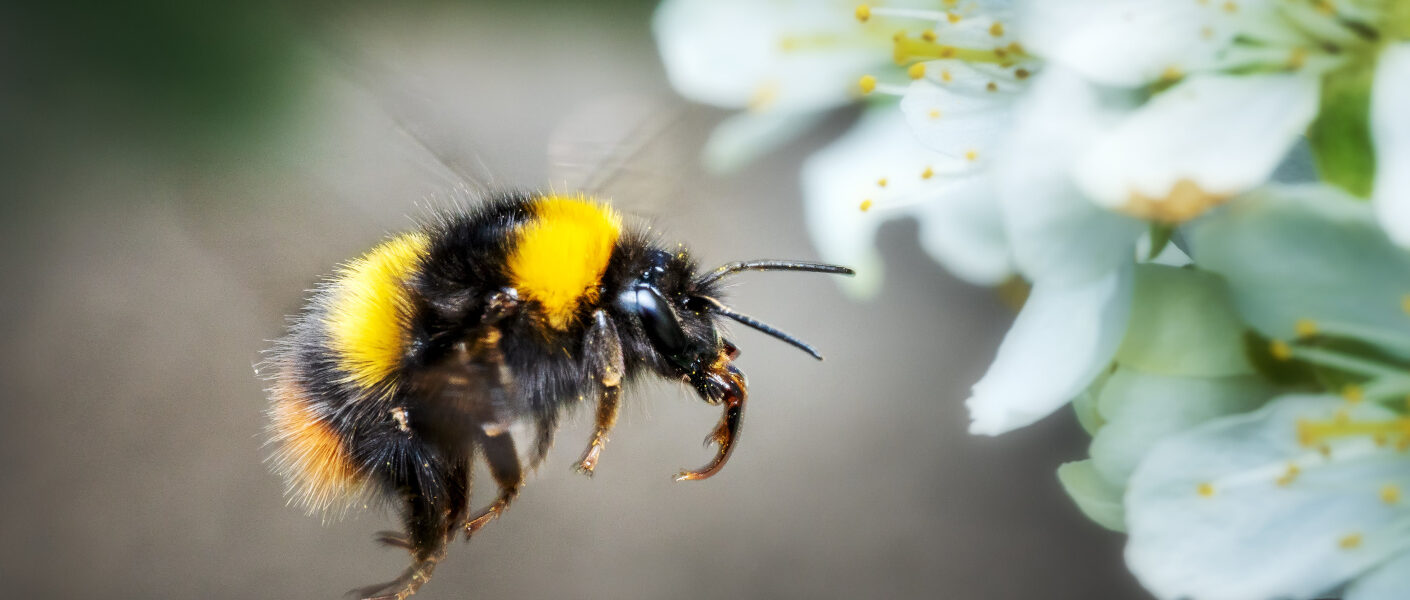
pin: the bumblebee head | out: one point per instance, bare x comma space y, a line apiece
678, 312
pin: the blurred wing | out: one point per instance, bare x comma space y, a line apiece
632, 150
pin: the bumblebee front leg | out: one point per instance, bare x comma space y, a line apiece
602, 353
503, 461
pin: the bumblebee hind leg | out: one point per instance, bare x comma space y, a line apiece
503, 461
432, 517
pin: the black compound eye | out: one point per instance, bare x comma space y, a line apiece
658, 318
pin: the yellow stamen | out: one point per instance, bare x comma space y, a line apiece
866, 205
867, 83
863, 12
1312, 432
908, 49
971, 155
928, 35
881, 182
1280, 350
1231, 7
996, 30
927, 173
1390, 493
946, 76
1205, 489
952, 18
1353, 393
916, 71
1305, 328
934, 113
1350, 541
1021, 73
1289, 476
991, 86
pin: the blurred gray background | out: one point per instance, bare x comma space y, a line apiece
175, 179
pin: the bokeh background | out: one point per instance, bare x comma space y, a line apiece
174, 175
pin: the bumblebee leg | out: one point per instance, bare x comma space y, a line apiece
431, 521
504, 465
602, 352
544, 427
728, 385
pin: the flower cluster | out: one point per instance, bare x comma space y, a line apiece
1210, 200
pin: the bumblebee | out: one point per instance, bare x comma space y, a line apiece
423, 352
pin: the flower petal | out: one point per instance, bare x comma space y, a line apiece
765, 55
1218, 513
1390, 581
1390, 130
1207, 139
880, 163
1064, 336
956, 122
1308, 252
1057, 234
1141, 409
1095, 497
743, 137
1125, 42
1183, 323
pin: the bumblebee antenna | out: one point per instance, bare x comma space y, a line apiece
725, 311
771, 265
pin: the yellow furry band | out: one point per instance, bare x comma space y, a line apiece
367, 315
559, 256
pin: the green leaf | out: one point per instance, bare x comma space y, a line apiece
1341, 135
1095, 497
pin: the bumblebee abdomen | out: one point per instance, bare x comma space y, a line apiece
311, 454
369, 307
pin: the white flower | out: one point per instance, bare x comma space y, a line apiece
784, 63
1390, 121
879, 171
1308, 260
1078, 257
1233, 85
1291, 501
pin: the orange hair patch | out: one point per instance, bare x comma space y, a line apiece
319, 475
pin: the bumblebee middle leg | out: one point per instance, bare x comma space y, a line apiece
503, 461
603, 355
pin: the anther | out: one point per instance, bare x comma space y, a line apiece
916, 71
927, 173
1305, 328
866, 205
1205, 489
863, 12
1353, 393
1289, 476
867, 83
881, 182
1390, 493
1350, 541
996, 30
1280, 350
